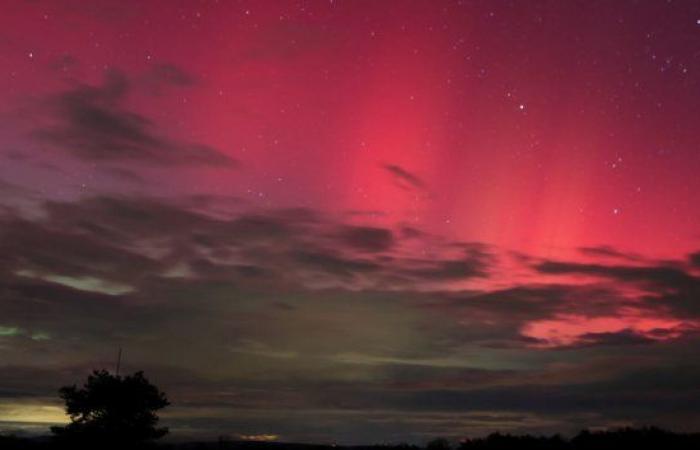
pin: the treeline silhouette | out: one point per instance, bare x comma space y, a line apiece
648, 438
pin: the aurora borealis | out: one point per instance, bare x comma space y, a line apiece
354, 221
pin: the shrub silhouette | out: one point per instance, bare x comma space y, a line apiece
119, 410
438, 444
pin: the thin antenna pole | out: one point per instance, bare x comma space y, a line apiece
119, 360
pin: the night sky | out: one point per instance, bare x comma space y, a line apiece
354, 221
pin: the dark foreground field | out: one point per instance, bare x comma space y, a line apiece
621, 439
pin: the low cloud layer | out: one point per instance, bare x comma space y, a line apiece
244, 315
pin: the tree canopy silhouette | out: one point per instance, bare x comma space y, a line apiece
112, 408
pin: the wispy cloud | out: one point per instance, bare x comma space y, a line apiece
92, 123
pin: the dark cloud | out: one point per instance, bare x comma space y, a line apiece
172, 74
127, 175
613, 399
659, 276
411, 232
619, 338
404, 178
40, 250
473, 262
606, 251
91, 123
122, 240
468, 267
369, 239
667, 284
328, 261
495, 319
694, 259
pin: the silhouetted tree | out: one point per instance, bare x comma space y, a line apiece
112, 409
